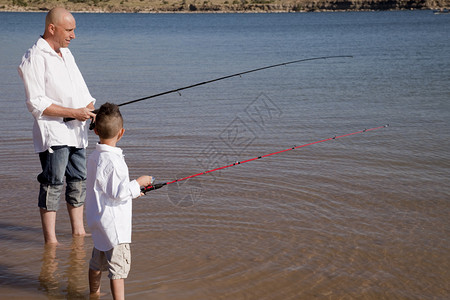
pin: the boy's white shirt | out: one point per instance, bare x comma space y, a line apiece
109, 194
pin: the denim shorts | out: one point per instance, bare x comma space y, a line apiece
116, 261
56, 163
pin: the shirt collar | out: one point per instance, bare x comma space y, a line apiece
45, 46
106, 148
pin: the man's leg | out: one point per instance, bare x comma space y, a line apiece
76, 220
48, 205
53, 164
76, 189
48, 220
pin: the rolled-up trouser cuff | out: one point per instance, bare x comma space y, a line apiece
49, 196
76, 192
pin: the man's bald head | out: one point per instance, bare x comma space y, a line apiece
57, 16
59, 28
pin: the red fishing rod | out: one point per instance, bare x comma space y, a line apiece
160, 185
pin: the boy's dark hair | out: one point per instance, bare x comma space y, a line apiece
108, 121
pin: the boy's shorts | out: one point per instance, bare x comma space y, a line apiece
116, 261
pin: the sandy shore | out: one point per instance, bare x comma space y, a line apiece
220, 6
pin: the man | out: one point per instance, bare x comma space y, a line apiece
55, 89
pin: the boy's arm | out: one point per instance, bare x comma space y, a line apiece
81, 114
116, 184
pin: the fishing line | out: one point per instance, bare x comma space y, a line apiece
160, 185
177, 90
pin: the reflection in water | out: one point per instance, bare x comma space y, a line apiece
48, 281
55, 270
76, 271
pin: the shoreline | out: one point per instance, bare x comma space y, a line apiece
222, 6
207, 12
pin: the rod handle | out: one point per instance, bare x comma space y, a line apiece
91, 126
152, 187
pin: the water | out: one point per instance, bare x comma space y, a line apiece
359, 217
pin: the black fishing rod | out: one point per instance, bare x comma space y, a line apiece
233, 75
160, 185
222, 78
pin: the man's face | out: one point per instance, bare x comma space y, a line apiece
64, 31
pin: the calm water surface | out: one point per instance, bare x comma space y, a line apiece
359, 217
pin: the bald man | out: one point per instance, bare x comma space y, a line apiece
55, 89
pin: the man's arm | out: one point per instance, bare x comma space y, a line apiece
81, 114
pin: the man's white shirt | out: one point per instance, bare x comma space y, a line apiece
51, 79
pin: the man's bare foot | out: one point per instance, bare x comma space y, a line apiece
75, 235
52, 242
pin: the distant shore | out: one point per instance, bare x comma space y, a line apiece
221, 6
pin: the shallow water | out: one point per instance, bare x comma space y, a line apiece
359, 217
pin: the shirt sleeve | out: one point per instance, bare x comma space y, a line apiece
32, 70
118, 186
135, 189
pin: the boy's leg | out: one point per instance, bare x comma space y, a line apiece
94, 281
118, 288
119, 259
96, 265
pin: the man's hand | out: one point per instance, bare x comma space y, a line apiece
83, 114
90, 106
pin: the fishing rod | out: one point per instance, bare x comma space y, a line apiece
177, 90
160, 185
234, 75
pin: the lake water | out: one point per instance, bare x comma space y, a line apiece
360, 217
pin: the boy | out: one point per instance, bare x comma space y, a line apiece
109, 194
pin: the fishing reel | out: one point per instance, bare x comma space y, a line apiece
152, 186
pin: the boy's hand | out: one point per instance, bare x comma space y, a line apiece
145, 180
